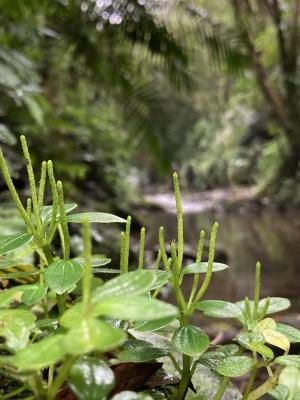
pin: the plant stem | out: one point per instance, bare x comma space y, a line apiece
196, 276
211, 256
61, 377
162, 247
142, 249
63, 220
14, 393
256, 289
185, 378
127, 244
122, 252
250, 383
179, 218
86, 281
31, 178
36, 385
42, 184
222, 388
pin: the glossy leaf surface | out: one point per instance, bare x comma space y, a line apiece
62, 275
140, 351
190, 340
91, 379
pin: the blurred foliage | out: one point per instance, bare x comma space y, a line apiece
119, 92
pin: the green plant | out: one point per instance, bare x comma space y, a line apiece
60, 327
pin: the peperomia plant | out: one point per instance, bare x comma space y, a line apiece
66, 325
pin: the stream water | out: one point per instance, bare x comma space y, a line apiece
246, 237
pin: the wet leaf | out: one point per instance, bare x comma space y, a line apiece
103, 218
13, 242
61, 276
190, 340
219, 309
276, 304
91, 379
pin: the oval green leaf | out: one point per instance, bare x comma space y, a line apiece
62, 275
91, 379
135, 308
276, 304
39, 355
102, 218
91, 334
32, 294
132, 283
289, 360
13, 242
219, 309
293, 334
161, 278
15, 327
234, 366
153, 325
190, 340
96, 261
201, 268
46, 212
128, 395
140, 351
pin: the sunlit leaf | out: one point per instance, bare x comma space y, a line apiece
277, 339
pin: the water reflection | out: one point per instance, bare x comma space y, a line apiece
269, 237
